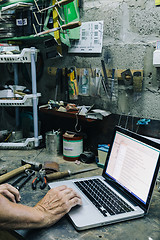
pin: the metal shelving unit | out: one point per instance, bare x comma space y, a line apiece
28, 55
26, 101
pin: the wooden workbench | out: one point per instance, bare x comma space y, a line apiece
141, 229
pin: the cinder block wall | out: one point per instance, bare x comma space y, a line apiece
131, 29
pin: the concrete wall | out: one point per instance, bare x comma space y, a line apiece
131, 29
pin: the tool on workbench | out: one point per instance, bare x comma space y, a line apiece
57, 4
59, 175
40, 177
25, 178
26, 165
51, 167
14, 173
34, 165
63, 27
3, 171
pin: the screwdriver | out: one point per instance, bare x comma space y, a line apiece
70, 25
59, 175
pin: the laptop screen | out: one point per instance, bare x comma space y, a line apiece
132, 164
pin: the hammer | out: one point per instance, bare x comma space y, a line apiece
25, 165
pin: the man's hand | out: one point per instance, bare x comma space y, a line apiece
10, 192
56, 203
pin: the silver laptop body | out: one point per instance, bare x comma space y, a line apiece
130, 171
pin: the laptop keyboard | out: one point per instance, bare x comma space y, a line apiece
105, 200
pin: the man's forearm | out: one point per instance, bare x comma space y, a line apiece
18, 216
52, 207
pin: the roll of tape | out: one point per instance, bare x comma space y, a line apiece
87, 157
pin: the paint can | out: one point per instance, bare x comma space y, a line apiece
72, 146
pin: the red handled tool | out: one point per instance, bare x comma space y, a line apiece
40, 177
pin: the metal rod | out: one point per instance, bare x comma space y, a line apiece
15, 67
34, 92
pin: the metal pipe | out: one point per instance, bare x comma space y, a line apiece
15, 67
34, 92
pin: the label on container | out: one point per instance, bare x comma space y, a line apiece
19, 22
72, 148
25, 22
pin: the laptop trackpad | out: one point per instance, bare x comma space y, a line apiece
71, 184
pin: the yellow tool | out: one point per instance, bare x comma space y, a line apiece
14, 173
73, 87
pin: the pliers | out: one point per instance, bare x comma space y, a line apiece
25, 177
40, 177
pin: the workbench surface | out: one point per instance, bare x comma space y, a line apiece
146, 228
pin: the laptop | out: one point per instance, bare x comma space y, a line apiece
124, 190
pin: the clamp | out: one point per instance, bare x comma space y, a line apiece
40, 177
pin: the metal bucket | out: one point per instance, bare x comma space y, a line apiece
53, 142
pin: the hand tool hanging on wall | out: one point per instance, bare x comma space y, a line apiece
127, 77
59, 175
57, 4
63, 27
72, 83
137, 85
66, 97
58, 82
105, 77
137, 81
112, 82
84, 82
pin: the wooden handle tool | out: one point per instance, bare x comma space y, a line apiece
58, 175
14, 172
57, 4
71, 25
63, 27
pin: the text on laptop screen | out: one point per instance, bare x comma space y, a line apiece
132, 164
